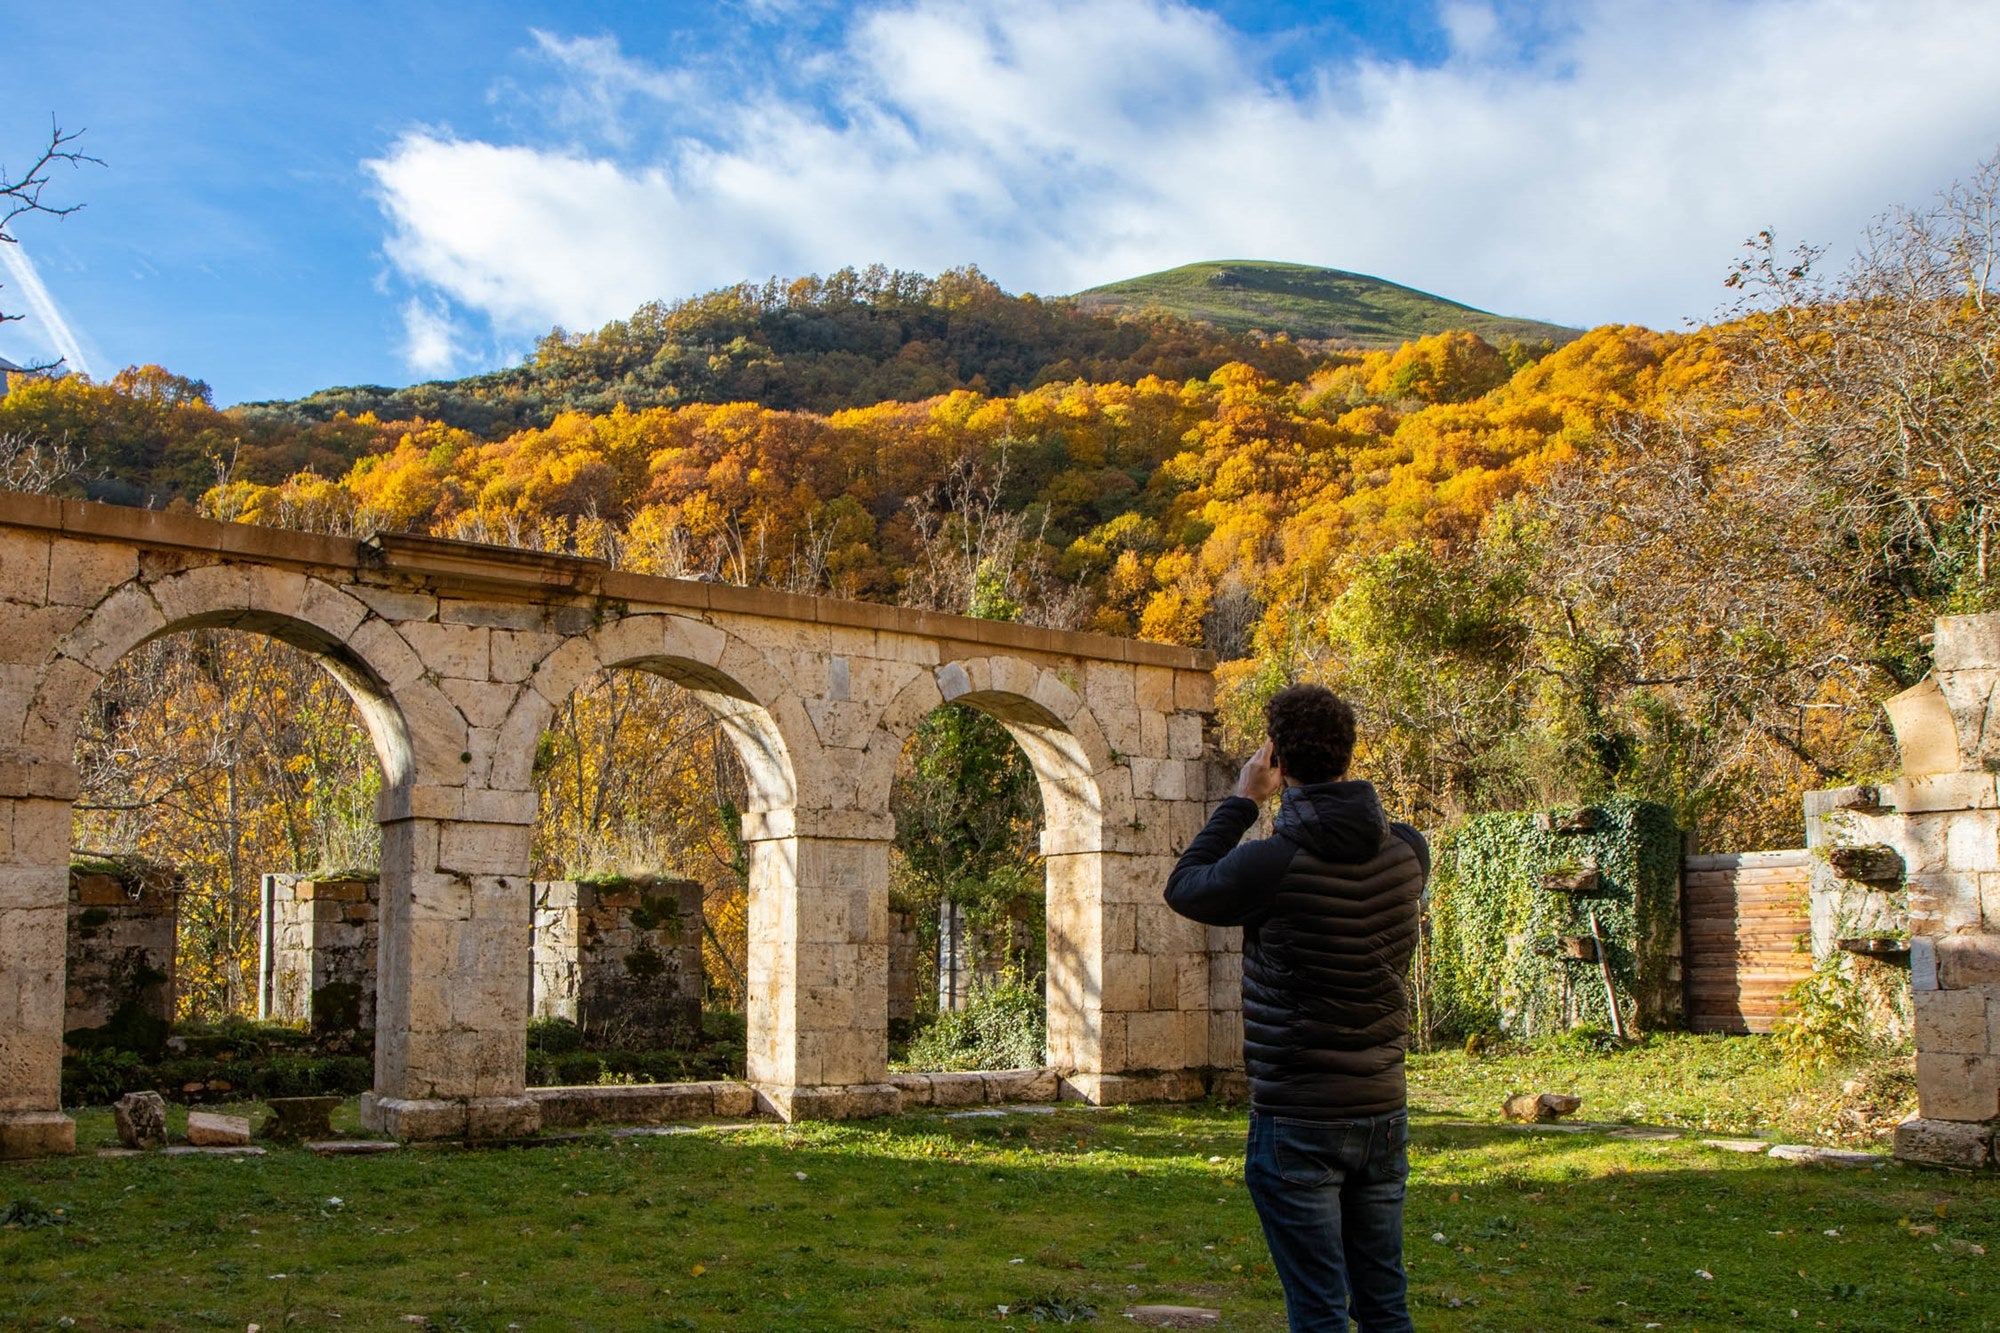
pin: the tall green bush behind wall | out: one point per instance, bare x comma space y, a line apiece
1491, 959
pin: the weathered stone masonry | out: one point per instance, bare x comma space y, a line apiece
1943, 819
457, 656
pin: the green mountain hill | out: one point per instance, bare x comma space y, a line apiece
1241, 295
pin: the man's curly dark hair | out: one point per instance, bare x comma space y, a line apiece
1312, 732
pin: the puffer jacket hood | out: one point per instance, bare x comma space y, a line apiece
1341, 822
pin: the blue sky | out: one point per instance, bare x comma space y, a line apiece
297, 196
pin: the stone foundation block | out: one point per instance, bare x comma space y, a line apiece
856, 1101
36, 1134
1957, 1087
915, 1088
635, 1104
1172, 1085
958, 1089
1962, 1145
1229, 1085
469, 1118
1022, 1085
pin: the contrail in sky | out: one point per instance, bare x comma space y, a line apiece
21, 270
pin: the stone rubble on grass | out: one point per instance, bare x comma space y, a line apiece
207, 1129
351, 1147
1540, 1106
296, 1119
1738, 1145
1173, 1316
216, 1150
142, 1119
1800, 1152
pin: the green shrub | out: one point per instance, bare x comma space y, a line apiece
1824, 1016
579, 1067
97, 1077
312, 1076
1003, 1026
130, 1028
554, 1036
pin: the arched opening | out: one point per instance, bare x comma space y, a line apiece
213, 762
645, 775
986, 963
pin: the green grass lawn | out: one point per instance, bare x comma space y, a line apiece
925, 1222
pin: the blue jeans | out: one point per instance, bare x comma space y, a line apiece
1330, 1196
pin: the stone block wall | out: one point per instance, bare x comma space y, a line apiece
121, 943
972, 955
1942, 818
1859, 893
317, 963
622, 961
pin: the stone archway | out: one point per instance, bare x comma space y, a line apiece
292, 608
456, 652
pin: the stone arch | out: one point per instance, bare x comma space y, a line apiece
1054, 728
1083, 788
748, 697
371, 662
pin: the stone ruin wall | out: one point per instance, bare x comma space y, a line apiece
316, 965
622, 961
121, 944
1942, 818
1859, 900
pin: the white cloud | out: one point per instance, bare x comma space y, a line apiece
1607, 174
48, 317
430, 338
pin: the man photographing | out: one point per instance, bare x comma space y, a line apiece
1328, 906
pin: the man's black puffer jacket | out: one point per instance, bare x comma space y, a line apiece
1328, 906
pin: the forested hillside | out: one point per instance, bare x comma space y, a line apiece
1351, 309
817, 344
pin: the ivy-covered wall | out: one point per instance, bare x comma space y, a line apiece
1495, 958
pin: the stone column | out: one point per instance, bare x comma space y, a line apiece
34, 921
1947, 829
1129, 1013
819, 964
452, 1007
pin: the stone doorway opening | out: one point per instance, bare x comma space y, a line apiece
639, 963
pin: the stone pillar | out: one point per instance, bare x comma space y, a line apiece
452, 1008
1946, 826
34, 921
621, 960
121, 944
903, 969
1129, 1013
318, 964
819, 964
